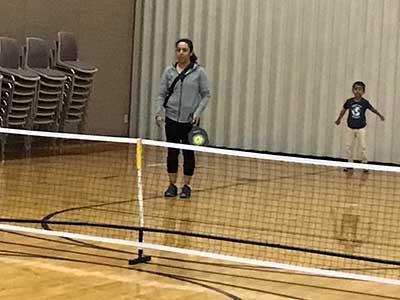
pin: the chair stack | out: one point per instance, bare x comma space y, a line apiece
51, 84
19, 88
43, 87
79, 81
1, 98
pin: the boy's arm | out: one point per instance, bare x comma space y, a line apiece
378, 113
341, 114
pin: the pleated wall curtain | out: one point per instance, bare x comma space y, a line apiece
280, 70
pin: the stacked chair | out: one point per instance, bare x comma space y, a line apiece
51, 84
79, 81
1, 96
18, 94
43, 88
1, 80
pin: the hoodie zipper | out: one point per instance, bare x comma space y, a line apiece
180, 93
180, 101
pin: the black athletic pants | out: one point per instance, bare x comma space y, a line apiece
178, 133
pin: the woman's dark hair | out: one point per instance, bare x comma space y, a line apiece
193, 57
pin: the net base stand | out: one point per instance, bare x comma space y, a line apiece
140, 259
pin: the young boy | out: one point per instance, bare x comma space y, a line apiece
356, 121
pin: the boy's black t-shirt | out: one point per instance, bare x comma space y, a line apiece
356, 117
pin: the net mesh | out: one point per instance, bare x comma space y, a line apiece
302, 213
71, 181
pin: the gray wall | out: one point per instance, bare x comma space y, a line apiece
103, 30
280, 69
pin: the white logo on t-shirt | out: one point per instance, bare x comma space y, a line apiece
356, 111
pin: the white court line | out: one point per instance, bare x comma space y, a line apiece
156, 165
249, 261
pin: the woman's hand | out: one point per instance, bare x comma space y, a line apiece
196, 121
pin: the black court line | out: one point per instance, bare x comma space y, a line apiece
283, 281
46, 221
230, 266
162, 274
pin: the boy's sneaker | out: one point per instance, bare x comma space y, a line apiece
186, 192
172, 191
347, 169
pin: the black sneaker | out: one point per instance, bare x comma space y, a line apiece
348, 170
186, 191
172, 191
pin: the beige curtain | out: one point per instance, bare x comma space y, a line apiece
280, 70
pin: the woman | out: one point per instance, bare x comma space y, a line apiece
180, 103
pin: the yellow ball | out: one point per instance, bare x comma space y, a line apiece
198, 139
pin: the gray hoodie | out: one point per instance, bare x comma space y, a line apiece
189, 98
